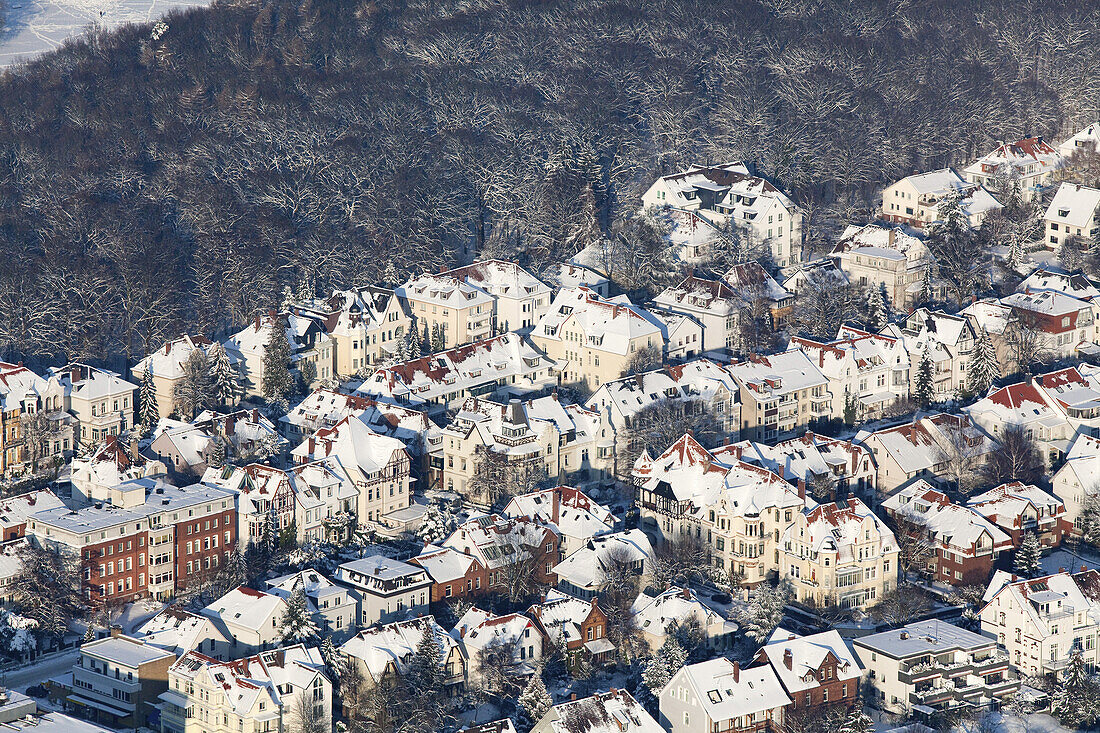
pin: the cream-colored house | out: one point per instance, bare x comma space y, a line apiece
520, 298
366, 325
730, 192
1073, 212
387, 650
102, 401
950, 341
22, 394
928, 446
166, 365
839, 555
463, 312
916, 200
273, 691
539, 438
780, 395
592, 339
894, 258
1029, 164
1077, 481
308, 341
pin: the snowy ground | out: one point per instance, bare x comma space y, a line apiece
1063, 557
36, 26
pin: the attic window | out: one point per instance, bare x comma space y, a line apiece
714, 696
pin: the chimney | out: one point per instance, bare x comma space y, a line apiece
255, 414
736, 672
1084, 568
167, 348
802, 489
893, 233
904, 635
572, 696
116, 631
311, 445
1061, 570
74, 373
788, 659
257, 324
555, 502
134, 447
271, 313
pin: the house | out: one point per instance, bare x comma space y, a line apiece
150, 540
942, 444
916, 200
728, 192
366, 326
893, 258
166, 368
962, 545
713, 304
575, 626
377, 465
313, 502
592, 339
109, 464
1087, 140
461, 312
1072, 213
504, 725
781, 394
248, 618
1062, 323
118, 678
509, 645
700, 384
15, 511
1020, 509
1077, 480
867, 372
1040, 622
189, 448
682, 333
741, 509
614, 711
384, 589
1027, 165
23, 394
654, 617
949, 341
815, 670
331, 605
719, 695
808, 274
306, 335
1073, 284
930, 666
583, 573
575, 517
387, 650
272, 691
815, 463
534, 439
839, 555
519, 297
178, 631
508, 548
507, 365
102, 401
759, 290
454, 574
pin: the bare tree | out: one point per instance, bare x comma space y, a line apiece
520, 575
962, 452
498, 476
1016, 457
915, 545
643, 360
305, 716
1026, 344
38, 430
661, 424
680, 560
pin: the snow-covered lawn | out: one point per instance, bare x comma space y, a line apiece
1072, 561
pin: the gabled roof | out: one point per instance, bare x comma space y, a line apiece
586, 568
726, 691
178, 631
245, 607
393, 645
951, 525
569, 510
806, 654
1074, 205
609, 325
605, 712
654, 615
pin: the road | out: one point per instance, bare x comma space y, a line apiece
53, 665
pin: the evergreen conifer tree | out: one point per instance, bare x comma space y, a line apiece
297, 622
194, 390
277, 380
150, 409
877, 317
984, 367
533, 702
424, 674
425, 341
924, 389
926, 286
226, 382
1029, 556
1075, 700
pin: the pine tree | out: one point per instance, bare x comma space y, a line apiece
1075, 700
924, 389
857, 721
297, 622
656, 674
424, 675
435, 526
305, 289
1090, 518
1029, 556
764, 611
425, 341
277, 381
226, 381
1015, 255
877, 317
533, 702
439, 338
150, 410
194, 390
389, 275
984, 367
287, 301
926, 286
332, 658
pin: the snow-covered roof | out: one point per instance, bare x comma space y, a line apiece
245, 607
444, 564
606, 325
315, 585
1073, 284
178, 631
748, 277
1014, 159
167, 362
586, 568
478, 629
1074, 205
570, 510
1085, 140
853, 349
124, 651
726, 691
839, 529
19, 386
380, 574
516, 428
393, 645
778, 374
91, 383
697, 293
807, 456
496, 541
654, 615
951, 525
15, 510
698, 380
561, 616
733, 187
444, 290
1005, 504
928, 442
359, 451
923, 637
888, 242
605, 712
500, 279
1083, 459
1047, 302
431, 378
989, 314
796, 659
1049, 597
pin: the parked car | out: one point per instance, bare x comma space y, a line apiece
37, 691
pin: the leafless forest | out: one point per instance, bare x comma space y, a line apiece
160, 176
